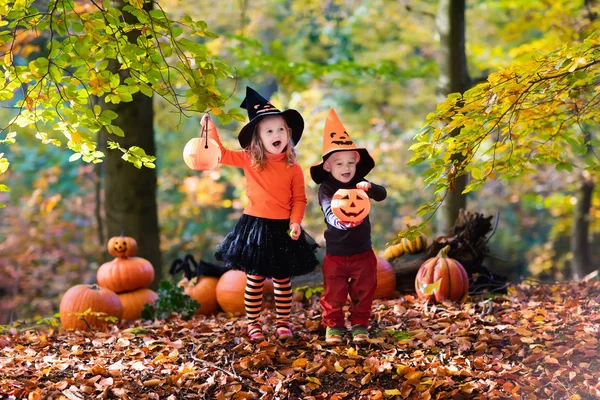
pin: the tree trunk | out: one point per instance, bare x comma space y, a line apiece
130, 193
453, 78
581, 264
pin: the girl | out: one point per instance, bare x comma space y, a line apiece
260, 244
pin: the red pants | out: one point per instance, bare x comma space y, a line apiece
348, 275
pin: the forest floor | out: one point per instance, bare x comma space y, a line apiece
536, 342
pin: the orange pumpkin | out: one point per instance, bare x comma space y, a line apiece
122, 246
133, 302
80, 298
350, 205
124, 274
386, 280
203, 289
231, 288
201, 154
442, 278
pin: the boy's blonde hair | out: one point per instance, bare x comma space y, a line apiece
258, 157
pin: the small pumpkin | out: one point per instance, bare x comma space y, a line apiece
133, 302
125, 274
442, 278
202, 153
350, 205
414, 246
406, 246
122, 246
203, 289
386, 280
80, 298
393, 251
231, 288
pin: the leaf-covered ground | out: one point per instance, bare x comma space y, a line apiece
538, 342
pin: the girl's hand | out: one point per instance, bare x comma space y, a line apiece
206, 121
295, 230
364, 185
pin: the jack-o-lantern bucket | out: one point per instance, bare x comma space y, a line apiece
202, 153
350, 205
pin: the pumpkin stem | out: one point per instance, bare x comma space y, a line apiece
94, 286
444, 252
123, 233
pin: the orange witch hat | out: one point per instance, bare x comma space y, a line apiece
335, 138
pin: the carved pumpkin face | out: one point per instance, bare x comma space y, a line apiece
341, 139
122, 246
350, 205
201, 155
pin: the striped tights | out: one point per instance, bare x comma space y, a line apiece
253, 299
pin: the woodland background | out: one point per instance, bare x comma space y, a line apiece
383, 65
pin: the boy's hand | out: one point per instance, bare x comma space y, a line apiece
295, 230
364, 185
351, 224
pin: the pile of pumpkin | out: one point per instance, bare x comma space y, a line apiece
214, 287
122, 288
121, 292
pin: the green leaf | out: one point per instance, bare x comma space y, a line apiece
171, 299
109, 114
55, 73
564, 166
4, 188
476, 173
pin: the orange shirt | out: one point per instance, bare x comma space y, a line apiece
276, 192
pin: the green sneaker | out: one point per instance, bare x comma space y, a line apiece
360, 333
333, 334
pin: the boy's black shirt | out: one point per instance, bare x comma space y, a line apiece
340, 240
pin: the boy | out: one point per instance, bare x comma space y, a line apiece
350, 265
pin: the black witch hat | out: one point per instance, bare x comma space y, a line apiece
258, 107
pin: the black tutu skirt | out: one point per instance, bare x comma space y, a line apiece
262, 246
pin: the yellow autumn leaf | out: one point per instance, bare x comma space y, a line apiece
76, 137
299, 363
414, 375
392, 392
523, 331
400, 369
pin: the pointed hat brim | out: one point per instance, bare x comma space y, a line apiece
364, 166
